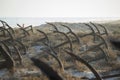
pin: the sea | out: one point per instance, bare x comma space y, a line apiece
36, 21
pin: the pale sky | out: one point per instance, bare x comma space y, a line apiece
59, 8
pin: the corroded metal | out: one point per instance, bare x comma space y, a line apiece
31, 28
56, 58
98, 47
45, 35
22, 46
68, 40
24, 31
9, 60
103, 40
10, 35
17, 52
93, 32
9, 27
9, 45
70, 31
106, 32
53, 26
98, 57
3, 32
12, 30
104, 53
95, 27
53, 53
6, 47
11, 41
98, 77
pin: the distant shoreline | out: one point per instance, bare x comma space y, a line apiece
12, 21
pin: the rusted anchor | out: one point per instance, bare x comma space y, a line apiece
9, 63
98, 77
71, 32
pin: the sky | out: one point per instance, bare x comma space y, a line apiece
60, 8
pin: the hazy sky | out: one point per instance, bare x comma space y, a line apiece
59, 8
